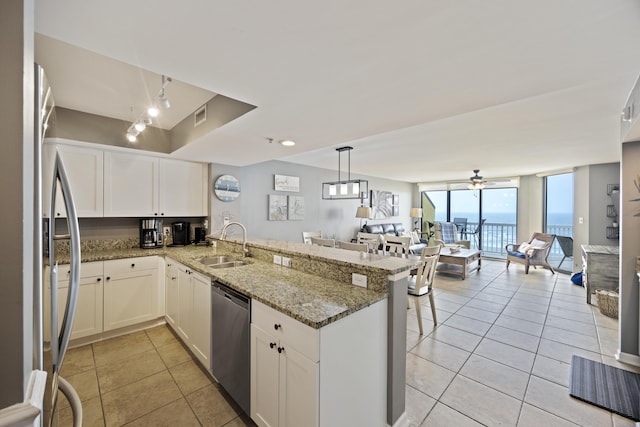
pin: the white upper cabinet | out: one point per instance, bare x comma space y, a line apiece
182, 187
125, 183
130, 185
84, 167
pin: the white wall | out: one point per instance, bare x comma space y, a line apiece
335, 218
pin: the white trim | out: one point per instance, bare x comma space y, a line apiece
27, 413
555, 172
630, 359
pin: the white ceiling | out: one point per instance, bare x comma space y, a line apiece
423, 90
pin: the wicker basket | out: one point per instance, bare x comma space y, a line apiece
608, 302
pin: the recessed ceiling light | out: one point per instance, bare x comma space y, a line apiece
288, 143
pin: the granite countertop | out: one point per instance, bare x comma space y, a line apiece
308, 298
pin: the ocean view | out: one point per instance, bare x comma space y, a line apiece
555, 218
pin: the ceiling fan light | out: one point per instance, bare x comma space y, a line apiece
288, 143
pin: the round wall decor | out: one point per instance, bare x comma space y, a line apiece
226, 188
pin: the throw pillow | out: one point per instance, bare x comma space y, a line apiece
538, 244
524, 247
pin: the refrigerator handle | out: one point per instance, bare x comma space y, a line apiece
74, 244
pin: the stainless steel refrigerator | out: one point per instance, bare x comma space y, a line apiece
49, 356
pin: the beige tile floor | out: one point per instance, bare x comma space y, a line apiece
499, 356
501, 352
146, 378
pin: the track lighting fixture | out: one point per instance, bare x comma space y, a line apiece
160, 101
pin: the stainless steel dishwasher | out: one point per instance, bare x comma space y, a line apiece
230, 341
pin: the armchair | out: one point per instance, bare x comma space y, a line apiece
532, 253
446, 235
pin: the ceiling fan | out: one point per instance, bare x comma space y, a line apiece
477, 183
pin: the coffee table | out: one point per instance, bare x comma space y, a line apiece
463, 258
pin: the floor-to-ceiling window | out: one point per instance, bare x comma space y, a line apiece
500, 215
487, 218
558, 218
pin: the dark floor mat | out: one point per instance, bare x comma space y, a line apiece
606, 386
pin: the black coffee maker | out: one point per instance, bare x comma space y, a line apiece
199, 236
180, 233
150, 233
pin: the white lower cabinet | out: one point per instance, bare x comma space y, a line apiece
130, 291
188, 310
335, 375
172, 301
284, 370
88, 317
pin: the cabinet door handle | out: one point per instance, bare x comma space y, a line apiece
272, 344
108, 278
99, 279
156, 213
280, 349
162, 214
133, 265
277, 326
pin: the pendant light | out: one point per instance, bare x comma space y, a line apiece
345, 189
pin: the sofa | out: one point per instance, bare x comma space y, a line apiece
397, 229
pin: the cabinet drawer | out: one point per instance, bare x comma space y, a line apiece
126, 265
301, 337
87, 269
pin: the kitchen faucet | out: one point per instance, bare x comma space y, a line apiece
245, 251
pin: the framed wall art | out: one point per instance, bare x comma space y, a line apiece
286, 183
226, 188
277, 207
381, 204
296, 208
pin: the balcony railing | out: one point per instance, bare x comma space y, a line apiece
495, 236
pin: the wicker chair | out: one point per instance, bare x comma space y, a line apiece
446, 235
532, 253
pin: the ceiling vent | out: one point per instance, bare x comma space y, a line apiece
200, 116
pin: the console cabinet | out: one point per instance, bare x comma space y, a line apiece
600, 268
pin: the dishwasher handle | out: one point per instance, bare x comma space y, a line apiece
231, 295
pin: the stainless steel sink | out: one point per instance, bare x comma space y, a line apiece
228, 264
222, 261
218, 259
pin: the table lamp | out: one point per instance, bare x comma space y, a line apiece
363, 212
416, 213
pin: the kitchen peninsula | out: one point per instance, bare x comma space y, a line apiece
356, 360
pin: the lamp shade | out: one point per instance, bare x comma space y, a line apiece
415, 213
363, 212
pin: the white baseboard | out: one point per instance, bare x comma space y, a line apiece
630, 359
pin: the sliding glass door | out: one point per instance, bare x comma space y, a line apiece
487, 218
